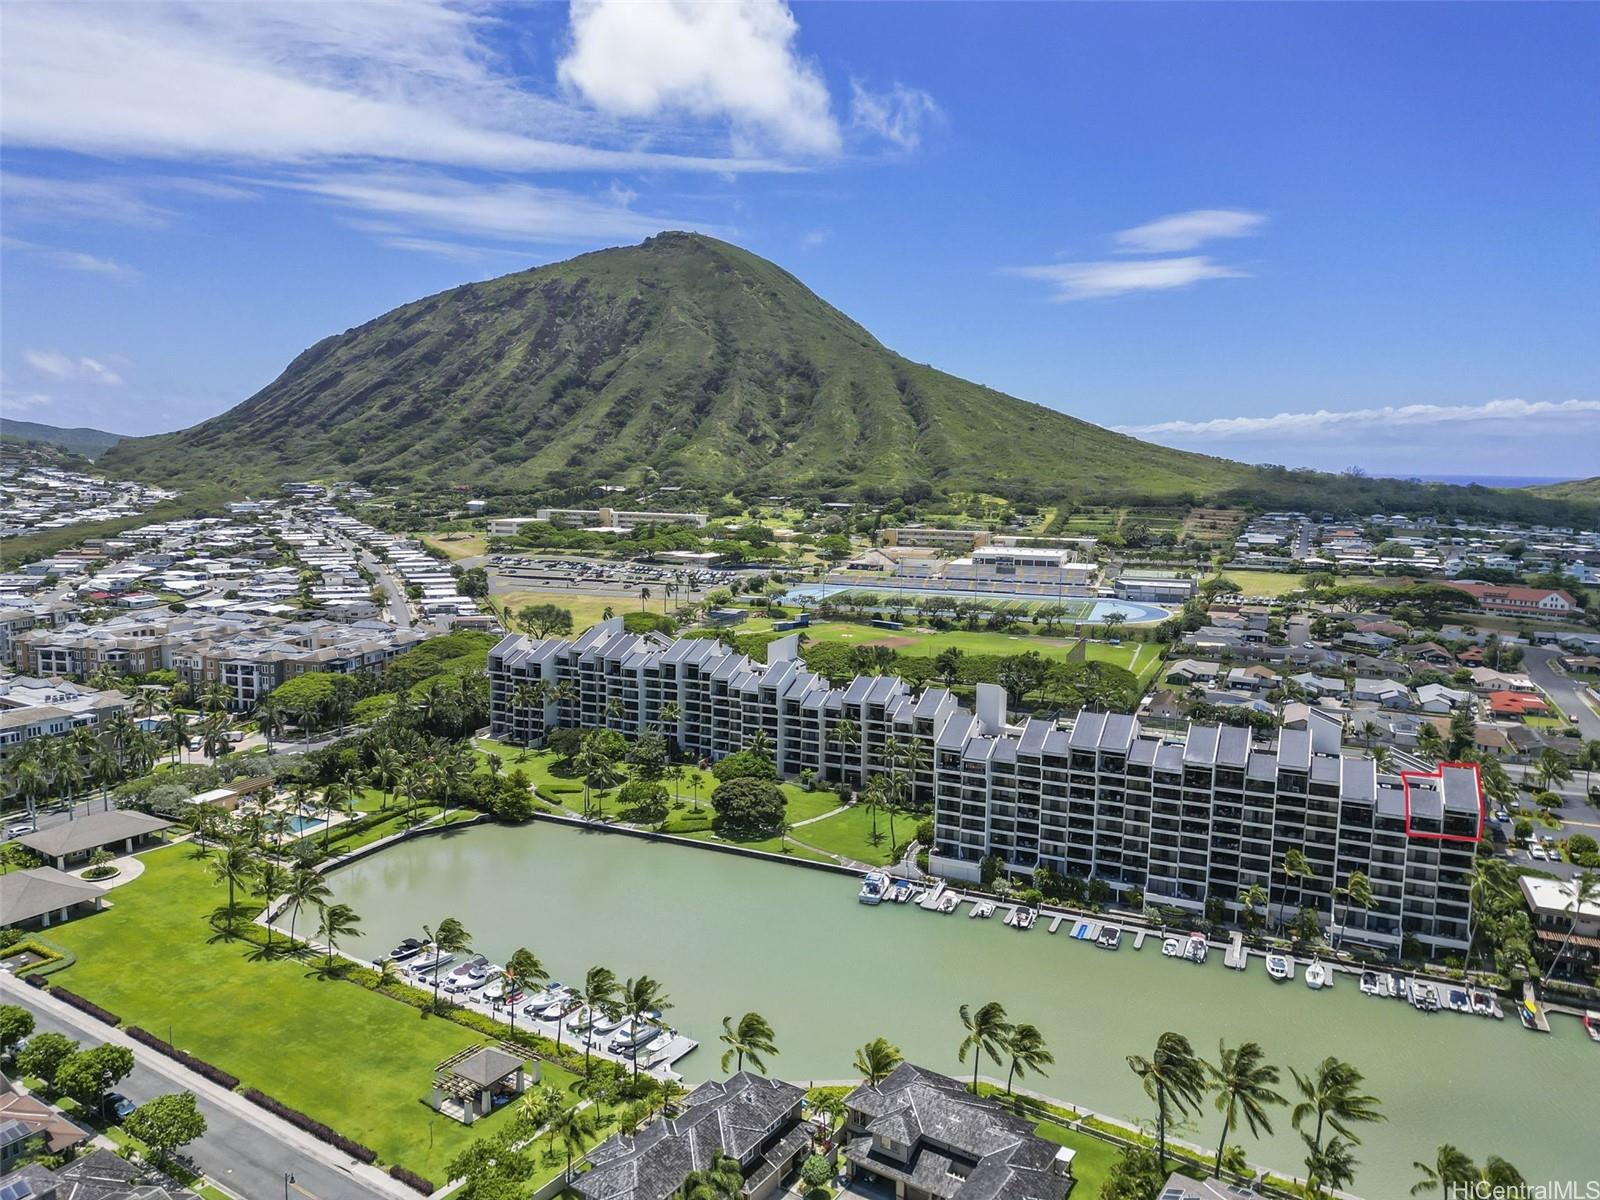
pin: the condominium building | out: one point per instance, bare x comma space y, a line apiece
34, 708
935, 537
1179, 819
250, 664
613, 519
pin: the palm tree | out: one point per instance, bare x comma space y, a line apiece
1551, 768
1585, 890
1294, 867
644, 597
987, 1031
1489, 881
1332, 1166
572, 1127
234, 867
104, 770
178, 732
1357, 893
1027, 1052
269, 718
338, 920
1253, 897
452, 774
844, 733
271, 878
723, 1180
451, 937
1430, 742
524, 969
751, 1038
600, 994
1174, 1077
214, 735
641, 996
306, 887
387, 764
1331, 1094
1450, 1170
1243, 1081
877, 1059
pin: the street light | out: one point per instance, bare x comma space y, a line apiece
288, 1178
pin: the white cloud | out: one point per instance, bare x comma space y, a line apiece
13, 403
72, 260
408, 201
897, 115
57, 365
36, 198
1186, 230
413, 80
1325, 421
1097, 280
732, 60
814, 238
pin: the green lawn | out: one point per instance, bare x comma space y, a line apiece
456, 545
850, 833
354, 1059
1093, 1162
585, 610
1266, 583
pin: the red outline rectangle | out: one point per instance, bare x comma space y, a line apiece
1438, 773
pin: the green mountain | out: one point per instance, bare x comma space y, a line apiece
684, 356
88, 442
1576, 490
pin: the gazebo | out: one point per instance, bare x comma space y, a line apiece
466, 1084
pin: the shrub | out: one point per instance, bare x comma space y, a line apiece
746, 764
315, 1128
411, 1179
35, 980
84, 1005
198, 1065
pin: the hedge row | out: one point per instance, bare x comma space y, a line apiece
198, 1065
411, 1179
315, 1128
85, 1005
35, 980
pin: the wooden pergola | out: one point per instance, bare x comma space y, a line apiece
466, 1083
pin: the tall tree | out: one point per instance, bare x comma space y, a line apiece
641, 996
1331, 1098
877, 1059
987, 1031
1174, 1077
337, 921
1243, 1081
451, 937
600, 994
750, 1038
1026, 1049
1450, 1171
234, 866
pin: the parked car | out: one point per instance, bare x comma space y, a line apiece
19, 828
118, 1107
1537, 851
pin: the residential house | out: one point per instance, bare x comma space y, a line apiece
1523, 601
749, 1118
1514, 706
1436, 698
931, 1139
1558, 920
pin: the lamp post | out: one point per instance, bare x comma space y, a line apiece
288, 1178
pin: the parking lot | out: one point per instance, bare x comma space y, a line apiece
606, 578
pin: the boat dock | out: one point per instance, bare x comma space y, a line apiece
1138, 938
931, 900
1533, 1010
1056, 920
1236, 956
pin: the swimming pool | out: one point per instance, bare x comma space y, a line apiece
299, 824
1132, 611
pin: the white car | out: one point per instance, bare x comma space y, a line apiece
1537, 851
20, 828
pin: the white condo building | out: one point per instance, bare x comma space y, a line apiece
1179, 818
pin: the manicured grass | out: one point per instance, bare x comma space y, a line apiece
350, 1057
1092, 1163
456, 545
1266, 583
585, 610
850, 833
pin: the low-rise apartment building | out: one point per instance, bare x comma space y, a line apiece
1529, 601
1180, 819
595, 518
32, 708
251, 663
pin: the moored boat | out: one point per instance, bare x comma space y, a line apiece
1370, 985
1280, 967
1110, 938
1316, 976
1197, 948
409, 948
1172, 948
1591, 1024
873, 885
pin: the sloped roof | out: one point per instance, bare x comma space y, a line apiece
32, 893
92, 831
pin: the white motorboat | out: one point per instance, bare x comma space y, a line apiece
873, 885
948, 902
1025, 918
1280, 967
1370, 985
1172, 948
430, 960
543, 998
494, 990
1316, 976
607, 1024
581, 1021
900, 891
409, 948
1110, 938
1197, 948
631, 1036
982, 908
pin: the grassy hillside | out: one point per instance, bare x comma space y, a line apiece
683, 356
88, 442
1583, 491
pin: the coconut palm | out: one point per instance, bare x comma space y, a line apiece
877, 1059
234, 866
1330, 1167
1251, 898
306, 887
1243, 1081
1027, 1052
1450, 1171
387, 765
843, 733
987, 1031
1331, 1096
1174, 1077
600, 994
723, 1180
572, 1127
640, 996
452, 775
750, 1038
271, 878
1357, 893
1490, 881
524, 969
451, 937
1294, 868
338, 920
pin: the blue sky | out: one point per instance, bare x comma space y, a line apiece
1307, 234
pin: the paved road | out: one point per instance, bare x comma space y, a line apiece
1539, 662
240, 1149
